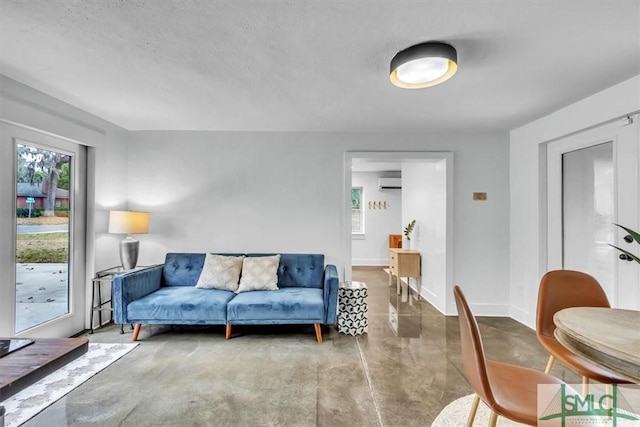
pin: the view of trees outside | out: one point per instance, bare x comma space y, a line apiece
357, 214
46, 168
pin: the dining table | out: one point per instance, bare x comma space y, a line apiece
607, 337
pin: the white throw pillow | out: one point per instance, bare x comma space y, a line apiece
220, 272
259, 273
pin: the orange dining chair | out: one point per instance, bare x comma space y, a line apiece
508, 390
561, 289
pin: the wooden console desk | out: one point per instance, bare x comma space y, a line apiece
404, 263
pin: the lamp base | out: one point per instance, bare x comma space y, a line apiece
129, 249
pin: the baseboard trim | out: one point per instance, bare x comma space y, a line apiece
520, 315
370, 262
490, 310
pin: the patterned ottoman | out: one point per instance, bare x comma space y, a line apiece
352, 308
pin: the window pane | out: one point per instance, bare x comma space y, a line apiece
42, 255
355, 221
357, 213
588, 212
356, 198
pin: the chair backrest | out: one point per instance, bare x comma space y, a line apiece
473, 358
561, 289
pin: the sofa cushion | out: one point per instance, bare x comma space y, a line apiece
287, 305
182, 269
220, 272
181, 305
299, 270
259, 274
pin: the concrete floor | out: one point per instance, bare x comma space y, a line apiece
279, 376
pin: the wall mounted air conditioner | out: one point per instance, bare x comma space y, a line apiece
389, 183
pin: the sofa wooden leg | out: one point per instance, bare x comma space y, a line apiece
227, 334
136, 331
318, 328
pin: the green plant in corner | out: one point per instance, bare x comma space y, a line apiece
634, 236
409, 229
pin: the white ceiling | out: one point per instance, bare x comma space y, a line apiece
315, 65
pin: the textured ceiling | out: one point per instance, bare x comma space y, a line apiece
315, 65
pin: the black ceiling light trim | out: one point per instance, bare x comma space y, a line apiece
423, 65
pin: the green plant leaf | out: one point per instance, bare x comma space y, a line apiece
635, 258
635, 235
409, 229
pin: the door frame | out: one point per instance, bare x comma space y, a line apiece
626, 155
74, 321
440, 299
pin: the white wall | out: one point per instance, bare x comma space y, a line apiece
263, 191
424, 198
107, 174
285, 192
275, 191
527, 251
373, 247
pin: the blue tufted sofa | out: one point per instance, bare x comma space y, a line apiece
166, 294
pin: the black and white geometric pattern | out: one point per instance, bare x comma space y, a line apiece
352, 308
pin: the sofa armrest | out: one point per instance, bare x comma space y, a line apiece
128, 287
331, 281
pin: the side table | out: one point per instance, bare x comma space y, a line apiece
96, 287
352, 308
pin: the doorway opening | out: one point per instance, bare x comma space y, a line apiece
396, 188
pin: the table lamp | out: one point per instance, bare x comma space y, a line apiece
129, 222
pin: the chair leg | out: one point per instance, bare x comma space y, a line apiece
547, 370
493, 420
585, 386
608, 390
136, 331
318, 332
474, 409
227, 333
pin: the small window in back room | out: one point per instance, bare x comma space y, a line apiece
357, 213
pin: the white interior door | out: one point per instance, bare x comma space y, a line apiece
592, 184
44, 258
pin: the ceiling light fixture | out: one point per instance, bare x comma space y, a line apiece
423, 65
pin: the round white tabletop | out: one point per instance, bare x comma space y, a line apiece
607, 337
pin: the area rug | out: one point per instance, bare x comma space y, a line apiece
456, 413
32, 400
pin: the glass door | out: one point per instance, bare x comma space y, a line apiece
48, 244
588, 212
42, 235
592, 184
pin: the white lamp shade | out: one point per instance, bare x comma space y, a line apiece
128, 222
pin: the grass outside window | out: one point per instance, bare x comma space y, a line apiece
43, 248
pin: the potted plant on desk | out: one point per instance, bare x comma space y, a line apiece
407, 232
